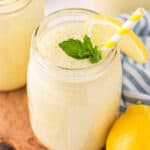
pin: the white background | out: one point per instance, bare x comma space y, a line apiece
52, 5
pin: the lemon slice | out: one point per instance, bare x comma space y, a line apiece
101, 28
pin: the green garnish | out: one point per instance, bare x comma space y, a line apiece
81, 50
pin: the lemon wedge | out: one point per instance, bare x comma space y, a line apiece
101, 28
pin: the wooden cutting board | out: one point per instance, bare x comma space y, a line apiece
15, 128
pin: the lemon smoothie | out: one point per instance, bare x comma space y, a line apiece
72, 102
18, 19
116, 7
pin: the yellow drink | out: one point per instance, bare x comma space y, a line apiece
72, 103
116, 7
17, 22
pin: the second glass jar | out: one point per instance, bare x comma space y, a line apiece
18, 19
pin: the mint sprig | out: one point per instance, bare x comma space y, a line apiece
81, 49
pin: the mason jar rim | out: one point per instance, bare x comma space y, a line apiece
44, 63
11, 7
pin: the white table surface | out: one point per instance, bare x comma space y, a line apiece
52, 5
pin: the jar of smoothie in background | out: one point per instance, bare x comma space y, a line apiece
72, 103
117, 7
18, 18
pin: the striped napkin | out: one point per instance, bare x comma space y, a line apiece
136, 77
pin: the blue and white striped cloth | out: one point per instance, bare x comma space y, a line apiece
136, 77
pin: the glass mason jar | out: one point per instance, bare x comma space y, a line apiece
18, 18
116, 7
72, 109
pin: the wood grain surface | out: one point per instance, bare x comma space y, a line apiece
15, 128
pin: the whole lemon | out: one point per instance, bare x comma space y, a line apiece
132, 130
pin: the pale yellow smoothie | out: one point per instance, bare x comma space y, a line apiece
18, 19
72, 103
116, 7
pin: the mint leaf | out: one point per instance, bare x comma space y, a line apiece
87, 43
96, 57
74, 48
81, 50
